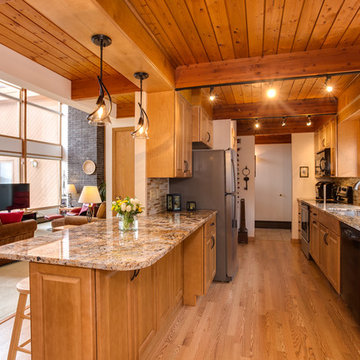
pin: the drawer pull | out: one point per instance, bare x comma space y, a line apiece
135, 274
325, 239
213, 240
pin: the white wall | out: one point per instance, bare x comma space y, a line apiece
246, 153
273, 182
302, 155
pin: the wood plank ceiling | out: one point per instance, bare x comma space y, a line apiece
26, 31
195, 31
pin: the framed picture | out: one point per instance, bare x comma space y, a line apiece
304, 171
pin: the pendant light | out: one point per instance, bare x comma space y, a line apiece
101, 115
142, 128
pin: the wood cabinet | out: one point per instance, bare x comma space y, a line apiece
169, 148
202, 128
326, 137
118, 315
209, 253
325, 245
314, 239
62, 312
349, 148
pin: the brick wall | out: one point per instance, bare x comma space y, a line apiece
85, 142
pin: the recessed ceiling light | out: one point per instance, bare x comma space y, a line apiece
271, 93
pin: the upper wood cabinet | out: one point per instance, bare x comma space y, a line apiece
169, 150
202, 128
326, 137
349, 148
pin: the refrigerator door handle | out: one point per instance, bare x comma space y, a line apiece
234, 175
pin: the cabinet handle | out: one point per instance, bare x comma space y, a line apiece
213, 241
325, 239
186, 163
212, 224
314, 222
135, 274
209, 136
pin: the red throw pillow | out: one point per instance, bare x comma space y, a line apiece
12, 217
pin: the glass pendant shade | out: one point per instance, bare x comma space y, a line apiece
101, 115
142, 128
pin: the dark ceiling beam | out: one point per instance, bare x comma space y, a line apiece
269, 67
276, 108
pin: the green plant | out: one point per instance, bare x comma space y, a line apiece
102, 191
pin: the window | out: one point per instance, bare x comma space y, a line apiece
9, 169
42, 119
44, 178
9, 110
30, 143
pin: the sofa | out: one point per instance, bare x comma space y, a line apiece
78, 220
13, 232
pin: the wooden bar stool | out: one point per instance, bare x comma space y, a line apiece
23, 287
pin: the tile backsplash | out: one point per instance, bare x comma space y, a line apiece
348, 182
157, 188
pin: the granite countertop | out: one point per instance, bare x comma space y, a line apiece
347, 213
101, 245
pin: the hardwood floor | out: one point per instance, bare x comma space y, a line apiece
278, 307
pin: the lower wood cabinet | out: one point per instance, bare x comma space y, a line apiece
85, 314
325, 246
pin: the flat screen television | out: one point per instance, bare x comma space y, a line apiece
14, 196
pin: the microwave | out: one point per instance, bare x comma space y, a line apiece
322, 163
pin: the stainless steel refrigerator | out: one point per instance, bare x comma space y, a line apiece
213, 186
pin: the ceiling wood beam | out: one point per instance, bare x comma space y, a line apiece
269, 67
273, 126
132, 49
89, 88
276, 108
272, 139
125, 110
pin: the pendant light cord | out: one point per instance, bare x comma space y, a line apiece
101, 58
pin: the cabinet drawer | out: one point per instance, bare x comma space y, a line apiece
329, 222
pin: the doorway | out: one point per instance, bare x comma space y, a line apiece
273, 186
123, 163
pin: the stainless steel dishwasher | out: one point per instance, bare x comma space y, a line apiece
350, 268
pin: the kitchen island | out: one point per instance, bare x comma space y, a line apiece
98, 293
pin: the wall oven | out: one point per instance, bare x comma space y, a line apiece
322, 163
305, 230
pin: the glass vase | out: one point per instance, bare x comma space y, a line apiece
128, 222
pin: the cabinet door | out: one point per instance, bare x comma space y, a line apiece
314, 239
183, 137
204, 136
323, 234
164, 285
333, 260
187, 143
178, 273
317, 141
210, 133
144, 309
62, 312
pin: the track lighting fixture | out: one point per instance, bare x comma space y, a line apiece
308, 120
283, 123
257, 124
142, 128
212, 94
101, 115
328, 86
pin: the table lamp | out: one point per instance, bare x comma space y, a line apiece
71, 190
89, 195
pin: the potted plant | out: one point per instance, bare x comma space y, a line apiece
127, 210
